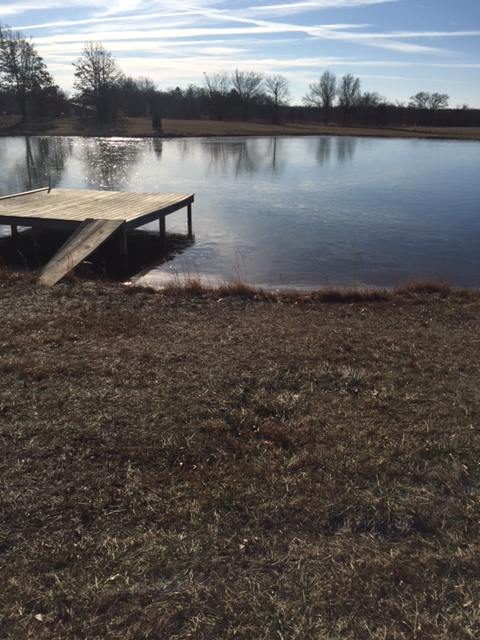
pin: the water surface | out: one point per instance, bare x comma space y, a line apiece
286, 212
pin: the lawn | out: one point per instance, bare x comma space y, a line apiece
233, 464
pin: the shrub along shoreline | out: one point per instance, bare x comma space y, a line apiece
232, 464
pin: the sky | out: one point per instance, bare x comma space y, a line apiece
396, 47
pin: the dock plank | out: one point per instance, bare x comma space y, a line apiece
76, 205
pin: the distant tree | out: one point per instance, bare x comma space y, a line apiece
322, 94
177, 101
370, 99
372, 109
277, 90
430, 101
148, 93
98, 77
426, 106
248, 86
50, 101
349, 94
193, 97
217, 88
22, 71
130, 97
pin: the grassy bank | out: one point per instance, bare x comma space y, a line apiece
142, 127
229, 464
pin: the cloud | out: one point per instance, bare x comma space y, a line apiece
19, 7
432, 34
134, 29
174, 41
147, 20
314, 5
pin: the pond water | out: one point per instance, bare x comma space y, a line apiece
298, 212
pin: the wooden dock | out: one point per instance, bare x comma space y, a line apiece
93, 215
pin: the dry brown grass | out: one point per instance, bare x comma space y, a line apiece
142, 127
238, 465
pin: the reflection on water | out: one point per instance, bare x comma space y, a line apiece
323, 150
35, 162
346, 148
108, 162
292, 212
244, 156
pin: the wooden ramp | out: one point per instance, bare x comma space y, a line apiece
85, 239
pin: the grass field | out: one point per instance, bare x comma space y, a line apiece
142, 127
233, 464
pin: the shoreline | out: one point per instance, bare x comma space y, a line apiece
141, 128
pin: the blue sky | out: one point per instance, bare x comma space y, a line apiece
396, 47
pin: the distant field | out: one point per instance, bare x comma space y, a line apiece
142, 127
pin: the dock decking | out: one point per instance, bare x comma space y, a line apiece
112, 211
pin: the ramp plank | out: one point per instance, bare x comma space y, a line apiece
85, 239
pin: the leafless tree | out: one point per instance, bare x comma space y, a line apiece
248, 85
22, 71
218, 87
97, 76
349, 94
371, 99
322, 94
370, 111
147, 89
430, 101
277, 89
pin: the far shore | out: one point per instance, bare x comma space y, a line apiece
142, 128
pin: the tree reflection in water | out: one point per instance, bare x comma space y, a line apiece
245, 155
41, 164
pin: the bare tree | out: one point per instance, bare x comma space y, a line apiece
430, 101
371, 99
372, 109
349, 94
427, 105
248, 85
97, 76
217, 87
146, 87
22, 71
277, 89
322, 94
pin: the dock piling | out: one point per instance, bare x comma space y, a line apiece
189, 220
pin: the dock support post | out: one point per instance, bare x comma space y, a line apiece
14, 229
163, 234
189, 220
36, 238
123, 253
162, 226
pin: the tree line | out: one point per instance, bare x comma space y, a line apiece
104, 91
